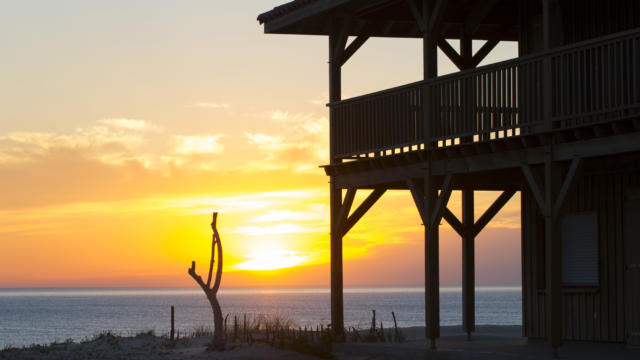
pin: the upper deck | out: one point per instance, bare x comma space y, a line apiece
593, 82
575, 85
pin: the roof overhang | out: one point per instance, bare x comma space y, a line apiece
390, 18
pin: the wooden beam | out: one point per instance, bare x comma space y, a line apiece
416, 15
468, 264
436, 17
553, 257
335, 195
466, 50
386, 29
441, 202
352, 48
533, 186
341, 42
417, 192
566, 184
472, 22
483, 52
453, 221
345, 208
451, 53
362, 209
432, 262
492, 211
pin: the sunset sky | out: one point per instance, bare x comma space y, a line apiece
124, 124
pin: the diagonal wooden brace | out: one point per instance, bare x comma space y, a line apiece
442, 201
361, 210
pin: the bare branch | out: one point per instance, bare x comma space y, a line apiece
211, 292
216, 284
213, 244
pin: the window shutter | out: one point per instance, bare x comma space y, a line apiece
580, 249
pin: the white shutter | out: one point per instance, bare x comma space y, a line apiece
580, 249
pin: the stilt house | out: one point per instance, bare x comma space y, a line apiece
560, 123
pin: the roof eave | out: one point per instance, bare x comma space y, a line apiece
283, 21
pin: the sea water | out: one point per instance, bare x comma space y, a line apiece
38, 316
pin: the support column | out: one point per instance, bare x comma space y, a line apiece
546, 65
466, 51
429, 43
335, 89
468, 264
553, 252
432, 262
431, 256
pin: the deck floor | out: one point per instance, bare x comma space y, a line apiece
489, 342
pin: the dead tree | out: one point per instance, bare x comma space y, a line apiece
210, 290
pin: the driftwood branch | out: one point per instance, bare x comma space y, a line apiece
212, 291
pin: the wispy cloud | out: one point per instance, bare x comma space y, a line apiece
198, 144
288, 215
264, 141
208, 105
272, 260
240, 203
131, 124
277, 229
94, 142
301, 143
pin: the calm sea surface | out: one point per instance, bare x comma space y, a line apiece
29, 316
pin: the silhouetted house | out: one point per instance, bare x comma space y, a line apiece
560, 123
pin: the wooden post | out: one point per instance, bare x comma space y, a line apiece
335, 80
429, 43
466, 51
468, 264
546, 65
467, 95
430, 70
553, 252
432, 263
172, 323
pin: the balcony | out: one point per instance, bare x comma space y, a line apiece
591, 83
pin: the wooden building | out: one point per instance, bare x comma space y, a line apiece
560, 123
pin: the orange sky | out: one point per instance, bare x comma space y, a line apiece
122, 126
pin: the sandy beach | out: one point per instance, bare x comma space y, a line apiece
489, 342
147, 347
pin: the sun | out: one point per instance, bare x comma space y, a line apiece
271, 260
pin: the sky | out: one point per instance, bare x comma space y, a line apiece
124, 124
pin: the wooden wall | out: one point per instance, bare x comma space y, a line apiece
592, 314
575, 21
588, 19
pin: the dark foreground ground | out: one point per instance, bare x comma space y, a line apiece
488, 342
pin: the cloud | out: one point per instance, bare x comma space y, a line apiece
288, 215
272, 260
301, 144
277, 229
131, 124
199, 144
240, 203
95, 142
207, 105
264, 141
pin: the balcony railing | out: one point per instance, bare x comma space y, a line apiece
591, 82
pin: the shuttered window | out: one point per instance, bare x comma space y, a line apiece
580, 249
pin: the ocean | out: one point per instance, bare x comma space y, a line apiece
39, 316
